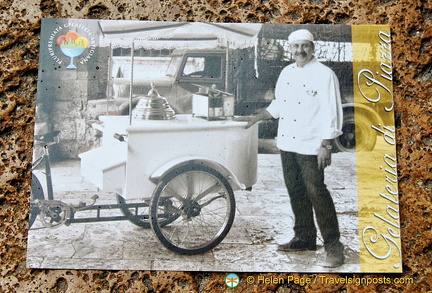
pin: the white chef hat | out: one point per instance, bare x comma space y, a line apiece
300, 35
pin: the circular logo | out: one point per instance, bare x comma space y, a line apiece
232, 280
73, 40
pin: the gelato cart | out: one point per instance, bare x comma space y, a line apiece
176, 176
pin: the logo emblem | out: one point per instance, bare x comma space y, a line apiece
72, 45
72, 40
232, 280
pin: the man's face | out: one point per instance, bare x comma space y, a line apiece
302, 52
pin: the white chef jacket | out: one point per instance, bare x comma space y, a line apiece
308, 105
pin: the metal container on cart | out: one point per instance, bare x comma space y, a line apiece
184, 170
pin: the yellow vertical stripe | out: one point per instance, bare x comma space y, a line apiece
378, 204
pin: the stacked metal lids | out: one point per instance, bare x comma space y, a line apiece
153, 107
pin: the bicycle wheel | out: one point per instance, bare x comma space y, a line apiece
36, 192
203, 204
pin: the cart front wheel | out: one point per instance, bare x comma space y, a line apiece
202, 203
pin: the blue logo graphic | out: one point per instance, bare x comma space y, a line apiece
232, 280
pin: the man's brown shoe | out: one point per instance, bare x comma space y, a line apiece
296, 244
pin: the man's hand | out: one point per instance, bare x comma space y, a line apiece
257, 118
247, 119
324, 158
250, 122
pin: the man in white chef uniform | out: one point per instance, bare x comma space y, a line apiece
308, 105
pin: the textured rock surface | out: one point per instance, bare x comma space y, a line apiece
411, 23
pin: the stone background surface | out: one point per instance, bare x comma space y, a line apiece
19, 43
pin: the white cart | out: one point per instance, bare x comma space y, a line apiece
176, 176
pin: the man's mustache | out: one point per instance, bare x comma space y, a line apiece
303, 54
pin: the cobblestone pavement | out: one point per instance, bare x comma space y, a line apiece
263, 219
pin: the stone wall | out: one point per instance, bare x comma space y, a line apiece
73, 115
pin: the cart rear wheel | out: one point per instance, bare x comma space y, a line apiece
36, 192
203, 204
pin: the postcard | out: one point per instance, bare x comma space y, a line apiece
240, 147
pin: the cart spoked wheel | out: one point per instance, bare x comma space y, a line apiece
201, 201
36, 192
138, 212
